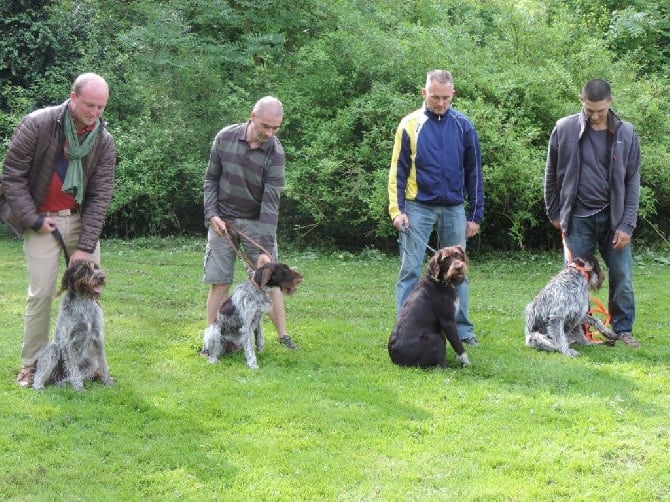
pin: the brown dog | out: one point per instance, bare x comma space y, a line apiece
427, 319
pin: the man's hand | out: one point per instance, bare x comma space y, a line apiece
620, 240
263, 259
401, 222
48, 225
218, 225
79, 255
471, 229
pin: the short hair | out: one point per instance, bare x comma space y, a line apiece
269, 105
84, 79
597, 90
440, 76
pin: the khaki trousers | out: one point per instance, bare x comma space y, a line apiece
43, 257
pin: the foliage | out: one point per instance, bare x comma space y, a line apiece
643, 34
335, 420
41, 41
347, 72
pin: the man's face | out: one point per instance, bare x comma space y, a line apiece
596, 112
264, 126
87, 106
438, 97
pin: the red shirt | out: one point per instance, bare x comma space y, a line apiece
55, 199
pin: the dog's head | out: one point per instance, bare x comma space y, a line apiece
277, 275
588, 265
448, 265
83, 278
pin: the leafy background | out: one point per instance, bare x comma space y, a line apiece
347, 72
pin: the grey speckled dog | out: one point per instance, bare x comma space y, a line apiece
77, 353
239, 318
555, 317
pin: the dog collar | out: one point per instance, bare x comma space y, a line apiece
583, 270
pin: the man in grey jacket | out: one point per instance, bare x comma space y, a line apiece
592, 193
58, 174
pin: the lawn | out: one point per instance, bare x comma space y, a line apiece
335, 420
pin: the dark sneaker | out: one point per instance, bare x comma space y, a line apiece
471, 341
288, 342
627, 338
26, 376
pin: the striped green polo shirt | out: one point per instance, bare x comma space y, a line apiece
244, 182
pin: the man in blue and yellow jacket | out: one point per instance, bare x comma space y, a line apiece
435, 182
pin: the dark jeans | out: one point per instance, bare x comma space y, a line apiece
584, 235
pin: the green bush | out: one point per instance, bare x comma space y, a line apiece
347, 72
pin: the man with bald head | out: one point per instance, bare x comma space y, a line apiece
58, 174
243, 182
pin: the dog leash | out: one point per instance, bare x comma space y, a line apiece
230, 227
59, 237
408, 230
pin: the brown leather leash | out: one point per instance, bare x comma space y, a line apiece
230, 227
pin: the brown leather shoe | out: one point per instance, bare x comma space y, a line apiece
26, 376
626, 337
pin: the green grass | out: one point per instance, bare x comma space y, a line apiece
336, 420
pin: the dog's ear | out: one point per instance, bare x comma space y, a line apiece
266, 273
68, 282
434, 264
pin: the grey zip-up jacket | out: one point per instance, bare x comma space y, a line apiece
563, 169
37, 143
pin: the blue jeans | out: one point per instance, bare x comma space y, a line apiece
449, 223
583, 236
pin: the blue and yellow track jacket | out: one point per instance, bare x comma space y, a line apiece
436, 161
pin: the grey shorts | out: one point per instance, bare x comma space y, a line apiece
220, 256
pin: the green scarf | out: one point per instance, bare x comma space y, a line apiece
75, 151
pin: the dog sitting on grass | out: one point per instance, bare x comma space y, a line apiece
238, 321
427, 319
77, 353
555, 318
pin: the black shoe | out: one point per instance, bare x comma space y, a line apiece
471, 341
288, 342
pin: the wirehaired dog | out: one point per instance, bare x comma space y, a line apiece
77, 353
427, 319
555, 318
239, 318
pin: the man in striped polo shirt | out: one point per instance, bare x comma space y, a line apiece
243, 182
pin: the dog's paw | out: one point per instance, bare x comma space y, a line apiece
109, 381
572, 353
463, 358
253, 365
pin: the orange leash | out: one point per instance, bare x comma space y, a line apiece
599, 309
